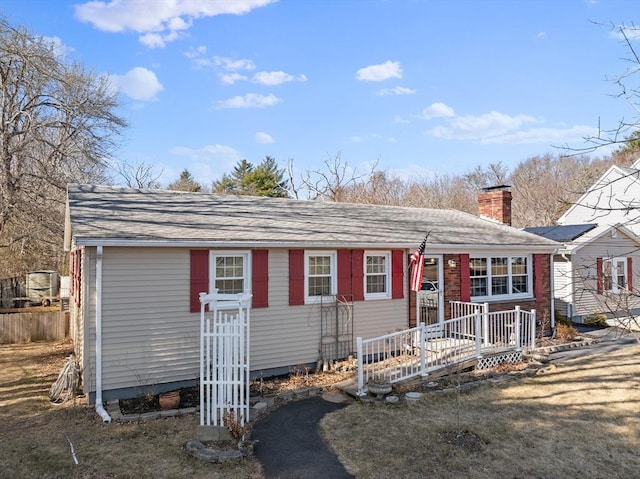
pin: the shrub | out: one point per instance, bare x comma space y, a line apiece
562, 319
566, 333
596, 319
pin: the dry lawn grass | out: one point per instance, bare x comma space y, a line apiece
33, 432
581, 419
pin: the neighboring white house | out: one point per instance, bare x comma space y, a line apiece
612, 200
597, 268
595, 271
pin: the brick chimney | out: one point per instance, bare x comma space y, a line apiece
495, 203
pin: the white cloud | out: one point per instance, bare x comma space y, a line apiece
218, 153
138, 83
276, 78
233, 64
59, 48
157, 40
398, 90
631, 32
556, 136
357, 139
206, 164
250, 100
264, 138
231, 78
437, 110
165, 18
380, 72
481, 127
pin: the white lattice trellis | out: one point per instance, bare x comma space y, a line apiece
492, 361
224, 357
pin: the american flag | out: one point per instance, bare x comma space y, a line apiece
417, 266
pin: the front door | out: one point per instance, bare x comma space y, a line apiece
430, 297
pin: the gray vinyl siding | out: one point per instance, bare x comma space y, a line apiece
587, 301
284, 335
150, 337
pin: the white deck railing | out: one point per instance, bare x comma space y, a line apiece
418, 351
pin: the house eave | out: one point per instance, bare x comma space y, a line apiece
430, 249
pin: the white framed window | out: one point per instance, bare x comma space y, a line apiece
501, 277
614, 274
229, 271
321, 276
377, 274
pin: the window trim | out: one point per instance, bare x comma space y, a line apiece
246, 266
509, 296
388, 273
333, 255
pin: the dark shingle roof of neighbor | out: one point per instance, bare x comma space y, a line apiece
110, 214
561, 233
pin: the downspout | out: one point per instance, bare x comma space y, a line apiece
99, 407
552, 293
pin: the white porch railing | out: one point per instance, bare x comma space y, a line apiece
418, 351
224, 357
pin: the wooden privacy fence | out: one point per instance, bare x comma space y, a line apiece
33, 326
224, 358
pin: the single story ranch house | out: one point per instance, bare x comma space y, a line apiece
140, 258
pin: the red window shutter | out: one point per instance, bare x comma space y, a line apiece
344, 273
357, 274
397, 274
538, 278
260, 278
296, 277
199, 277
599, 275
465, 278
629, 274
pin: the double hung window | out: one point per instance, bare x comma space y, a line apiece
614, 275
377, 275
320, 274
500, 277
229, 272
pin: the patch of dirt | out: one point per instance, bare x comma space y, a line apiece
296, 380
464, 439
190, 397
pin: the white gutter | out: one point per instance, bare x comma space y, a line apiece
431, 248
552, 274
99, 407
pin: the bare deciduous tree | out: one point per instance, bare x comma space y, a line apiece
57, 125
138, 175
331, 182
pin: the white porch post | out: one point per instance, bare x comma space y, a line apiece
532, 344
477, 326
485, 323
517, 326
360, 366
422, 341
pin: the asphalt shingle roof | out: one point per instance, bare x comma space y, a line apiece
104, 214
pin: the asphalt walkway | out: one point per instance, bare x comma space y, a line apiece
289, 443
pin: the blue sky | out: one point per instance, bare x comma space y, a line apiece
422, 86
